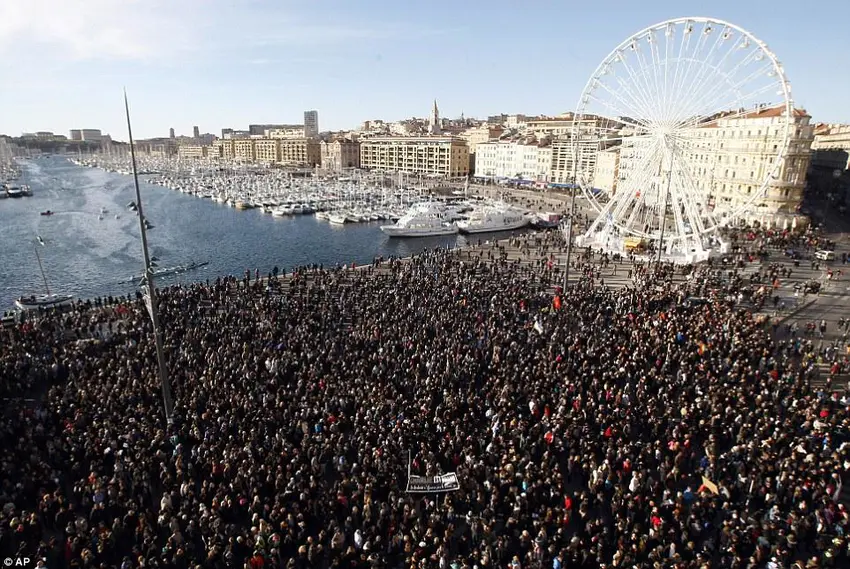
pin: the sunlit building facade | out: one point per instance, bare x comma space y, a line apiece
429, 155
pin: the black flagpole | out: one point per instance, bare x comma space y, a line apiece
150, 293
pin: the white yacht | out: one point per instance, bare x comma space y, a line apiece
338, 218
496, 217
422, 220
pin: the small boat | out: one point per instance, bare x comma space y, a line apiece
117, 216
47, 212
34, 302
41, 239
100, 217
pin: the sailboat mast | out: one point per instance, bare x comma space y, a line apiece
41, 267
151, 296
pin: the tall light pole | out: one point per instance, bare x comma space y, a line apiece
571, 219
150, 294
664, 211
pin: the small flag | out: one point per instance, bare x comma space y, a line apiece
538, 326
709, 485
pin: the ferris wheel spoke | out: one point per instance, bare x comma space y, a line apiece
694, 93
640, 174
684, 42
617, 112
649, 77
635, 89
718, 86
694, 213
639, 103
706, 104
697, 68
729, 103
688, 69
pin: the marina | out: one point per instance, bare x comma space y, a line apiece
90, 242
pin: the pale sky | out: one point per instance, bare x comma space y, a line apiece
228, 63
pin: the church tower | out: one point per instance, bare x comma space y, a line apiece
434, 122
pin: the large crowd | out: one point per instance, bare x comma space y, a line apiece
591, 427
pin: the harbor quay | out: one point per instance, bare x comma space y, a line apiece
305, 404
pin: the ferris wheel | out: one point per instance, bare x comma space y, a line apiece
681, 130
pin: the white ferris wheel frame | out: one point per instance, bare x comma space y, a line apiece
586, 185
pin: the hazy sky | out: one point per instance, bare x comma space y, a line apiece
227, 63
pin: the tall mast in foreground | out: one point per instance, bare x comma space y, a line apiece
149, 287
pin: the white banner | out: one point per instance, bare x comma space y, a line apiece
423, 484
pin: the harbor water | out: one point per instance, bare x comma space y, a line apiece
88, 253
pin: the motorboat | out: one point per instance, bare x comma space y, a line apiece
47, 212
422, 220
495, 217
14, 192
36, 301
338, 218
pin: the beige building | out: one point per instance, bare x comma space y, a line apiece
743, 149
481, 134
267, 151
831, 147
340, 154
434, 155
224, 148
731, 157
243, 150
300, 152
192, 151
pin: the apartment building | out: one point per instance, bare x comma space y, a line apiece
429, 155
340, 154
267, 151
225, 148
244, 150
729, 158
743, 149
192, 151
300, 152
607, 170
831, 147
513, 160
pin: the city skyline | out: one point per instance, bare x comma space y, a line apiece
190, 63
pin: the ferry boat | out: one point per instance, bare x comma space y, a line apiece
497, 217
422, 220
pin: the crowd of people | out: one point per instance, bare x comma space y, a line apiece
587, 427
